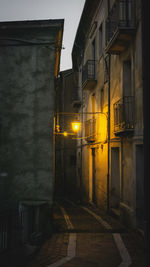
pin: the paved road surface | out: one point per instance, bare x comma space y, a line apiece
85, 237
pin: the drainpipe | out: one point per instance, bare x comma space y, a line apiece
54, 157
82, 58
122, 185
108, 128
81, 144
145, 80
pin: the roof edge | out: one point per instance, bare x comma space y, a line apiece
31, 23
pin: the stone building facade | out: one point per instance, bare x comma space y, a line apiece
107, 55
29, 63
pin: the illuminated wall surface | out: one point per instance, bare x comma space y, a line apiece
125, 157
102, 127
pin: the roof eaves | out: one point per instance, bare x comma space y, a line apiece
31, 24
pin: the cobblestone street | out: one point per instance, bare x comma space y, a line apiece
84, 237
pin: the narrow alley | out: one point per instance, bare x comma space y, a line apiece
72, 152
84, 236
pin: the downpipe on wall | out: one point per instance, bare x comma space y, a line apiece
108, 121
108, 173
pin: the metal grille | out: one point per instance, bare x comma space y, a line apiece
124, 114
90, 130
122, 15
88, 72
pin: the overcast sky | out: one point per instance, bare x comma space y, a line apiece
70, 10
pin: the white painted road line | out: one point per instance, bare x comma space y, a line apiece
58, 263
98, 218
71, 252
68, 222
126, 260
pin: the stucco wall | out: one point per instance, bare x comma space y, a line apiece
125, 143
26, 112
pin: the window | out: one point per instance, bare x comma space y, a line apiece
100, 41
126, 12
123, 12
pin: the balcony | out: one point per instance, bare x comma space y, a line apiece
120, 26
90, 130
124, 115
89, 75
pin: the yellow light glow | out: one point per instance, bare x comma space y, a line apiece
75, 126
65, 134
57, 128
102, 127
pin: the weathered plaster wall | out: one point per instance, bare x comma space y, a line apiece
26, 112
125, 143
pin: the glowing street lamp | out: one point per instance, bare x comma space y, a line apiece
65, 134
76, 126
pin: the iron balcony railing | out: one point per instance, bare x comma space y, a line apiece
90, 130
89, 74
124, 114
121, 16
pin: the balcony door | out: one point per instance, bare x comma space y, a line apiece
126, 12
